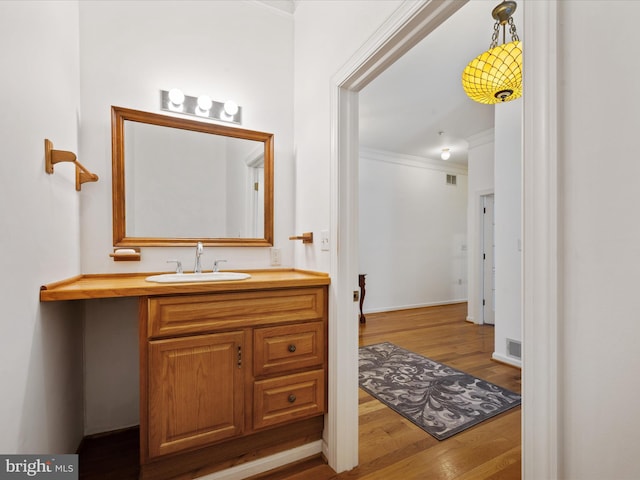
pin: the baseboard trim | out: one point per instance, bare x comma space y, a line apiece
409, 307
265, 464
470, 319
512, 362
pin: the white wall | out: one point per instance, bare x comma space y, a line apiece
327, 34
600, 242
228, 49
495, 166
481, 182
508, 228
412, 233
129, 52
40, 343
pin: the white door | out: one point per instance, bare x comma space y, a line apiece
258, 202
488, 262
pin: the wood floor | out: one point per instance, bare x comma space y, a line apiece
392, 448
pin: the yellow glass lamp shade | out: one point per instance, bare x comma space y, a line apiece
496, 75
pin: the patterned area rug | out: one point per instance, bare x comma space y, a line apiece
439, 399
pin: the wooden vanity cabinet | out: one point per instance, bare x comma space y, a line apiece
229, 365
230, 372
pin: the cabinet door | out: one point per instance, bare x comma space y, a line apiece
195, 391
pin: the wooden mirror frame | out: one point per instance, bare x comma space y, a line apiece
119, 115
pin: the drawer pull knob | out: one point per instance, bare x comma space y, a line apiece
292, 398
292, 348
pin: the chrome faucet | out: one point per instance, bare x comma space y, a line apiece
216, 265
198, 266
178, 265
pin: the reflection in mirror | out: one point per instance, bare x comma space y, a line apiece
178, 181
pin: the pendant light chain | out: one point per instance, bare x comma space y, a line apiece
494, 37
512, 30
496, 32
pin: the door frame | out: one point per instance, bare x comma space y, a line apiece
409, 24
483, 260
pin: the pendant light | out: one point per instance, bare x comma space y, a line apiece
496, 75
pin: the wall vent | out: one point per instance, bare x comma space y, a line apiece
451, 179
514, 348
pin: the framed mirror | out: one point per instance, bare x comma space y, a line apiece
178, 181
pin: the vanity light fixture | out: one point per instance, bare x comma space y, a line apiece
496, 75
203, 106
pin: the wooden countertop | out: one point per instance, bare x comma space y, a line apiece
135, 285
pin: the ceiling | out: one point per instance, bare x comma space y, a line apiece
417, 106
288, 6
406, 107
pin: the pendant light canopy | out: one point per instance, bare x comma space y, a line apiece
496, 75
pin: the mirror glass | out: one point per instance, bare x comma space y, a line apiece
179, 181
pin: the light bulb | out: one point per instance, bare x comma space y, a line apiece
231, 107
176, 96
204, 105
446, 154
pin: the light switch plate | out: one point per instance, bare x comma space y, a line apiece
324, 240
276, 257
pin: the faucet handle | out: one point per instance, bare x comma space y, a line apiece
178, 265
216, 265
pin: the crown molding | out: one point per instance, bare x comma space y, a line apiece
482, 138
412, 161
287, 6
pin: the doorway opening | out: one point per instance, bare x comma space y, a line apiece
410, 24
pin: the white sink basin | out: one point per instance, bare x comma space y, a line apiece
197, 277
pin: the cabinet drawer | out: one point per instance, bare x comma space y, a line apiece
285, 348
291, 397
177, 315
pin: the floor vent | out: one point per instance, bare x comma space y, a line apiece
451, 179
514, 348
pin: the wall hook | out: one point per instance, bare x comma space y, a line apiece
306, 237
51, 157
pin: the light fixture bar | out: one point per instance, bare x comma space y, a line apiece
189, 106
